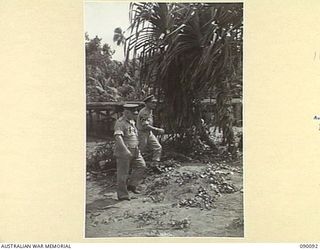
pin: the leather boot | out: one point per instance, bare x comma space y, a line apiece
133, 189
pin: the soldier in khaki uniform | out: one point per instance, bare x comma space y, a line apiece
145, 127
130, 164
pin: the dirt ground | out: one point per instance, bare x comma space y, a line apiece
182, 200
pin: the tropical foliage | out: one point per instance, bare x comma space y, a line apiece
107, 79
189, 51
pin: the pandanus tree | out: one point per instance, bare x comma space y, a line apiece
187, 50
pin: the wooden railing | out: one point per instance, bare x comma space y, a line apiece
102, 115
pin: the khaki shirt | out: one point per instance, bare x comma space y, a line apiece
145, 118
128, 131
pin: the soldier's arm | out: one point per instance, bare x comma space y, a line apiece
155, 129
121, 144
118, 133
145, 122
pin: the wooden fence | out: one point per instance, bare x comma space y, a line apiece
101, 116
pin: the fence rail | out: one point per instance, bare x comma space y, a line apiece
102, 115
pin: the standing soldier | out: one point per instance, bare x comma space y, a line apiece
145, 127
130, 164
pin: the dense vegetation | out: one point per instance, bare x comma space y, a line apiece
188, 50
182, 53
107, 79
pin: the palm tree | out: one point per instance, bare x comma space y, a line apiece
118, 36
186, 50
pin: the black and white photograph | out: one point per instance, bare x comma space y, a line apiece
164, 119
139, 123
